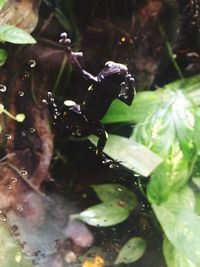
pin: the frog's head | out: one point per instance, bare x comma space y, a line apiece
116, 68
114, 72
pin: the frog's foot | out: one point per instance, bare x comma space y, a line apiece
50, 101
66, 41
127, 92
130, 82
111, 163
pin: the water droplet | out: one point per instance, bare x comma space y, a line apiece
111, 166
9, 186
32, 63
3, 88
21, 93
26, 75
8, 136
3, 219
24, 172
13, 179
32, 130
119, 188
20, 207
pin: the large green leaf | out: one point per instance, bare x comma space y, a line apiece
104, 214
143, 105
174, 258
131, 154
169, 133
11, 254
12, 34
131, 251
3, 56
115, 192
181, 224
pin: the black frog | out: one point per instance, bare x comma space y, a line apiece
78, 119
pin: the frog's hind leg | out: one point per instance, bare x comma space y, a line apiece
99, 131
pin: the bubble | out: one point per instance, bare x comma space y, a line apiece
120, 188
111, 166
13, 179
3, 218
32, 63
9, 187
32, 130
8, 136
24, 172
3, 88
20, 207
26, 75
21, 93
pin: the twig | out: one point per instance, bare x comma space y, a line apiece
32, 186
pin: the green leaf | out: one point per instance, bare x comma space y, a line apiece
197, 202
2, 3
169, 133
143, 105
12, 34
3, 56
169, 176
174, 258
104, 214
11, 254
131, 154
197, 130
116, 192
131, 251
181, 224
196, 181
184, 121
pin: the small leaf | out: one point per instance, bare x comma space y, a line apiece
2, 3
103, 215
131, 251
115, 192
20, 117
130, 154
3, 56
174, 258
12, 34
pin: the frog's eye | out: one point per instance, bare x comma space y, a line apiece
69, 103
109, 64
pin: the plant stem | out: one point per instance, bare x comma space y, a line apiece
60, 73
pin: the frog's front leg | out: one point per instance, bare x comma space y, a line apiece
127, 92
52, 106
73, 58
